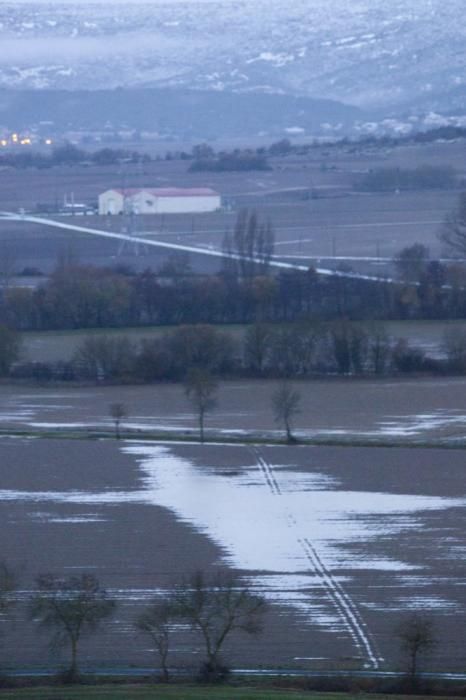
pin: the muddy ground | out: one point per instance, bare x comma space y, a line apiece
344, 542
340, 408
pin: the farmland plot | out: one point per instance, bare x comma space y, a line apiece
342, 541
338, 409
317, 216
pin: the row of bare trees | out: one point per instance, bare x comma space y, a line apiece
74, 608
292, 350
77, 296
201, 388
214, 607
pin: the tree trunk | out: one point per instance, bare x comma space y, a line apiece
413, 664
163, 663
201, 425
73, 671
289, 436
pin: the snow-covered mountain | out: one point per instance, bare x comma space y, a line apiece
376, 54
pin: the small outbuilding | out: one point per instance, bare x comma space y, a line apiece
159, 200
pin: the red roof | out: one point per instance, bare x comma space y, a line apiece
170, 191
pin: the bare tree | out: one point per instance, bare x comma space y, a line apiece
8, 263
217, 607
378, 347
200, 388
230, 268
286, 406
454, 343
349, 346
10, 348
157, 623
72, 607
104, 357
257, 346
7, 587
453, 232
416, 635
118, 411
411, 262
201, 346
251, 244
8, 584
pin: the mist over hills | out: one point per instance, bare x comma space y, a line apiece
398, 58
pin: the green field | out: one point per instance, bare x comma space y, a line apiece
54, 346
180, 693
57, 346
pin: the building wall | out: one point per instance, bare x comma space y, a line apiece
143, 203
111, 202
187, 205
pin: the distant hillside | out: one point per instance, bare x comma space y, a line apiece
201, 114
376, 54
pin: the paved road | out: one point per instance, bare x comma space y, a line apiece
207, 251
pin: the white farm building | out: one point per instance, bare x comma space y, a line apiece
162, 200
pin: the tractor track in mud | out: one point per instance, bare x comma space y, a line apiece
345, 606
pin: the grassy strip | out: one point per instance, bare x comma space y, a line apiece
251, 439
179, 692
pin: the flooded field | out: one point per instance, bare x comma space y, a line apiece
415, 409
342, 541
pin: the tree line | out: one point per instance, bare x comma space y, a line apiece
424, 177
244, 290
200, 388
204, 157
210, 608
213, 607
77, 296
238, 160
294, 351
69, 154
449, 132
